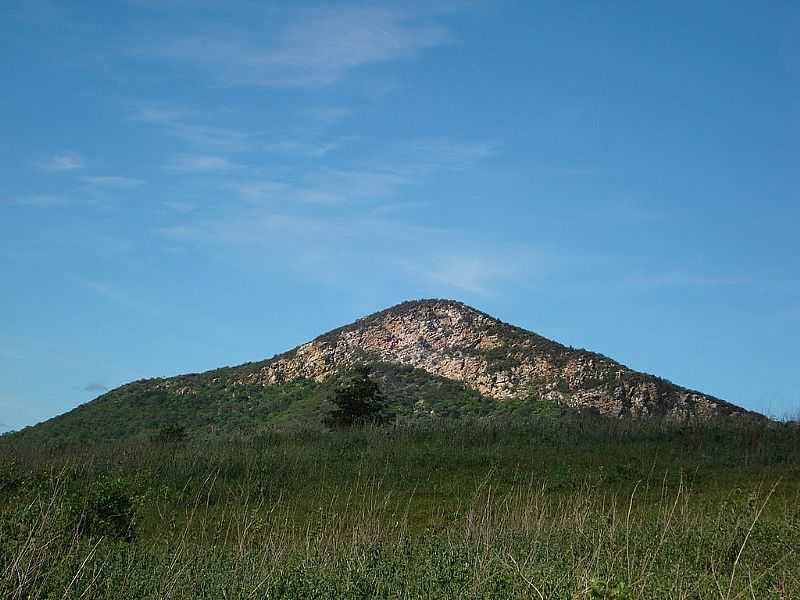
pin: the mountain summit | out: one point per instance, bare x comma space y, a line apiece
430, 358
454, 341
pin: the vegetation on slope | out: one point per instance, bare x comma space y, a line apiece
217, 405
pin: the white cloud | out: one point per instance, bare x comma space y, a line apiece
115, 181
323, 187
188, 126
38, 201
335, 249
259, 190
376, 180
63, 162
316, 48
123, 298
180, 206
202, 162
358, 183
269, 191
469, 273
300, 148
422, 157
159, 114
455, 155
327, 114
319, 222
9, 354
184, 124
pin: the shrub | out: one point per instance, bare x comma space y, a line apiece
107, 508
357, 399
171, 434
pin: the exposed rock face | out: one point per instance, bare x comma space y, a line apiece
452, 340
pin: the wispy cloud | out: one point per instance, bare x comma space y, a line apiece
323, 186
325, 249
422, 157
123, 298
159, 114
269, 191
62, 162
359, 183
315, 48
37, 201
327, 114
191, 126
686, 279
8, 354
317, 221
180, 206
112, 181
260, 190
202, 162
470, 272
300, 148
374, 180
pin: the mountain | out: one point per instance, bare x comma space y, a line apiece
430, 358
454, 341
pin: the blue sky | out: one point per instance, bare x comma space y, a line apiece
187, 185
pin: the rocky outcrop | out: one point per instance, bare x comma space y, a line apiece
451, 340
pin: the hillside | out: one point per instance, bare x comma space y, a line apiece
431, 358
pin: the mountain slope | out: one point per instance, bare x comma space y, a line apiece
454, 341
430, 357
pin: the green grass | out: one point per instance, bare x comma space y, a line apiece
477, 508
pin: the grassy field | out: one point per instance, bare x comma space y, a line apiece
468, 509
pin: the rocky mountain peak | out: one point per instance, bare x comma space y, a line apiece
449, 339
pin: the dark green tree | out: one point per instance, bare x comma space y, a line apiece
171, 434
356, 398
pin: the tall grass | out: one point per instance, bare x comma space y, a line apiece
453, 510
